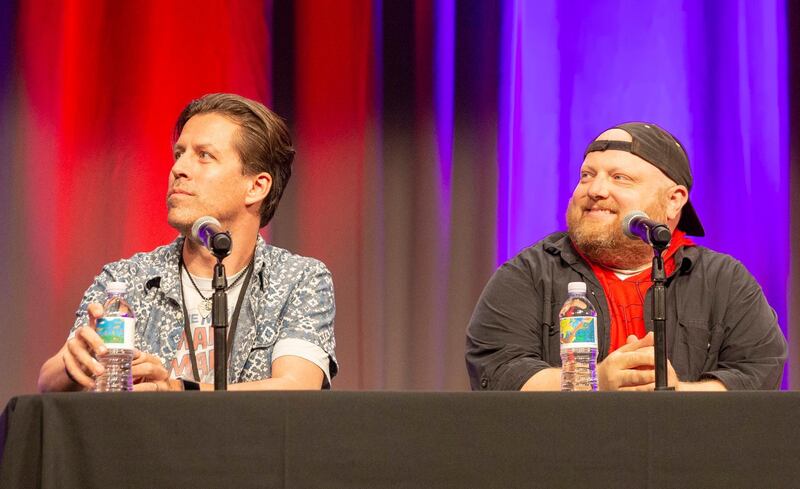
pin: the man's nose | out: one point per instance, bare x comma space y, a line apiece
598, 188
180, 166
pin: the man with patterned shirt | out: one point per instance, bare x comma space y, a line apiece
721, 334
232, 161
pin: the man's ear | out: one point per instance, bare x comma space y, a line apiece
677, 197
260, 185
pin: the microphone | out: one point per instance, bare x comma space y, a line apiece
638, 225
208, 232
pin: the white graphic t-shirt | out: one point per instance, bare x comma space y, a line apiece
200, 323
203, 333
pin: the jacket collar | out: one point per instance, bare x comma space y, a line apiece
685, 258
559, 244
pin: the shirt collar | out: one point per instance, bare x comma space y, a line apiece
165, 273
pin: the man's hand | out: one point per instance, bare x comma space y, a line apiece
630, 367
150, 375
79, 352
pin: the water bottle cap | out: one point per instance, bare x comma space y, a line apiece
116, 287
576, 288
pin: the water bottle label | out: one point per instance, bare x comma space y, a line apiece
117, 332
578, 332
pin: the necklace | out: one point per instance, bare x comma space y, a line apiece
204, 308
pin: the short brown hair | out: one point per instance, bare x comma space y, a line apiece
263, 142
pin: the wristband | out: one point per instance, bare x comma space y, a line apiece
189, 385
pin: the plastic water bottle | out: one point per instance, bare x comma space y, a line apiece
116, 328
578, 323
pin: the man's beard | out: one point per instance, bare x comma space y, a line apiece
605, 243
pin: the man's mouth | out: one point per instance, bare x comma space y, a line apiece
599, 211
177, 191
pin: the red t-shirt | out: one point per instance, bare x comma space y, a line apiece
626, 297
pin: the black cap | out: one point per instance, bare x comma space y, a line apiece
662, 150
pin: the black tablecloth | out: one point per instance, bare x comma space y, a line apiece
408, 439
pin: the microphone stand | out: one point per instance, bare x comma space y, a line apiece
220, 245
659, 315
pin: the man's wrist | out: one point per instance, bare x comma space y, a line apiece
547, 379
710, 385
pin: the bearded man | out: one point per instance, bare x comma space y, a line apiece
721, 334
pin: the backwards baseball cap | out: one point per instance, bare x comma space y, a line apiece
662, 150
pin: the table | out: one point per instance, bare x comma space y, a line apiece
401, 439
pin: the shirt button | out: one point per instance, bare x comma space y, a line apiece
484, 383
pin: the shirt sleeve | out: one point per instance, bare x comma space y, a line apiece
95, 294
504, 336
310, 311
753, 350
304, 349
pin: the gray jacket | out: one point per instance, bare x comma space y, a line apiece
719, 324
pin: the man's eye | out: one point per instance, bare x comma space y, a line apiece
176, 155
206, 155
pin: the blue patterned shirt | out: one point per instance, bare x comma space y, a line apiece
289, 296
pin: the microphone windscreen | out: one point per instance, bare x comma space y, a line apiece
199, 224
626, 223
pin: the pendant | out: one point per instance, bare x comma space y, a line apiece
204, 308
